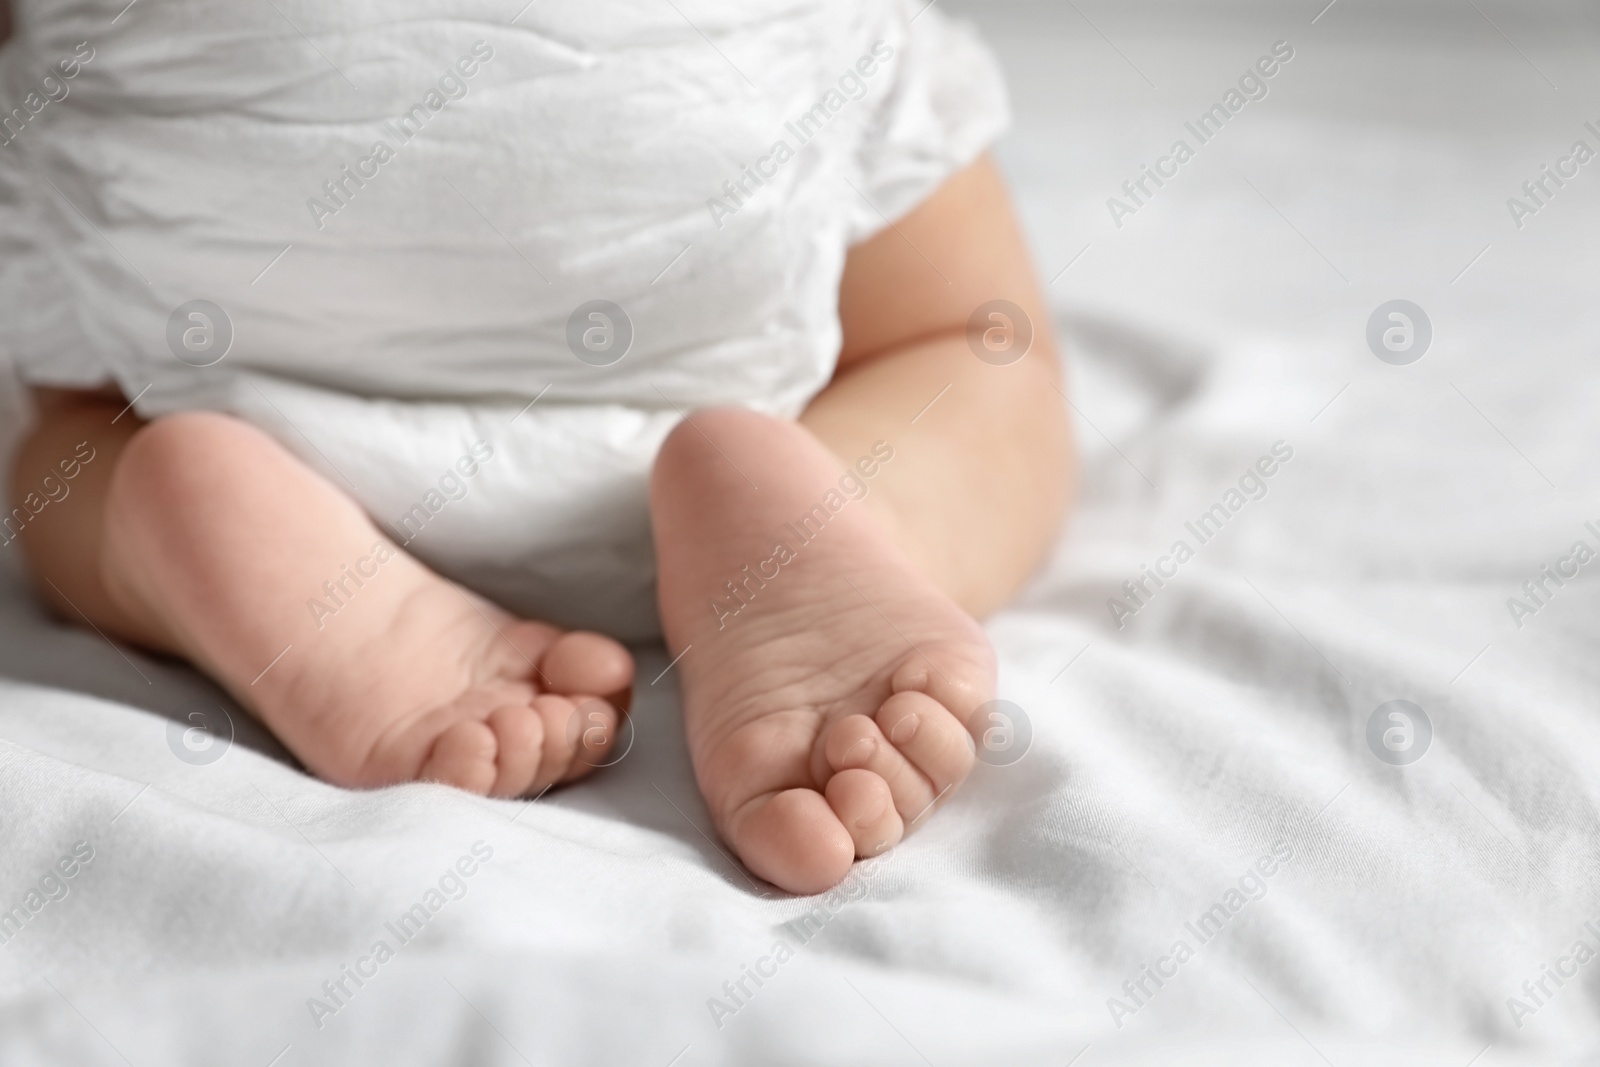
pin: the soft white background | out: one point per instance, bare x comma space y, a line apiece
1167, 755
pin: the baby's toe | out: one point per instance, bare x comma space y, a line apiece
794, 840
463, 756
856, 743
519, 735
579, 732
581, 662
929, 736
862, 801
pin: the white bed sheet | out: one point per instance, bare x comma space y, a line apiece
1225, 718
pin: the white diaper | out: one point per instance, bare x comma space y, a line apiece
379, 230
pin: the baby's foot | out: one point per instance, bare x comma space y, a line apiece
368, 666
828, 714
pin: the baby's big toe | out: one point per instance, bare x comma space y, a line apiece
583, 662
794, 840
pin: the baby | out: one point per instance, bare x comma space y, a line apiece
420, 358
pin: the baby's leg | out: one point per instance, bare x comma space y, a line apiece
200, 536
830, 683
